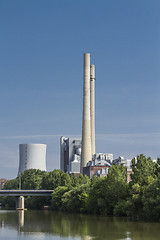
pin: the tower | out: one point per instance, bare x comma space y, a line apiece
86, 122
32, 156
92, 108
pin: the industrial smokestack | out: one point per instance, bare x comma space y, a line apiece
92, 109
86, 126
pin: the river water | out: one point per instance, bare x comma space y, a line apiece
46, 225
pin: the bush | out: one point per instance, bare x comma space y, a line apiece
120, 209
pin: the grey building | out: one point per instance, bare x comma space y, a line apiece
70, 154
121, 160
101, 159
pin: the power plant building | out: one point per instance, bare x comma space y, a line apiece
70, 155
32, 156
71, 158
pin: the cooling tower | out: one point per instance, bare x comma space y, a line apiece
92, 108
86, 126
32, 156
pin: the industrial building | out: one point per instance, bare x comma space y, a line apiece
32, 156
76, 155
70, 155
79, 156
100, 163
70, 158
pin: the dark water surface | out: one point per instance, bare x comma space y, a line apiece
52, 225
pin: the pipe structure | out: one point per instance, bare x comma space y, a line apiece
86, 126
92, 108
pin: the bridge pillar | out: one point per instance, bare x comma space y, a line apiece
20, 203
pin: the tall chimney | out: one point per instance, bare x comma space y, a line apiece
92, 111
86, 127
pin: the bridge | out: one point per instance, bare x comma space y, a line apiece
20, 194
25, 193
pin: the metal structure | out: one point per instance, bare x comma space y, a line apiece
24, 193
32, 156
20, 194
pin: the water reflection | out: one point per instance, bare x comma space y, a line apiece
78, 226
21, 218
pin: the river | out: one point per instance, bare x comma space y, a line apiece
46, 225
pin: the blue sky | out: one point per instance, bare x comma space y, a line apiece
41, 75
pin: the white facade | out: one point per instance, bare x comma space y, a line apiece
122, 160
32, 156
101, 159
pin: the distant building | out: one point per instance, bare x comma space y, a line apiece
127, 163
129, 172
99, 165
70, 159
2, 182
70, 155
102, 172
121, 160
95, 170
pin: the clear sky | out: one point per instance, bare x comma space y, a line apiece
41, 74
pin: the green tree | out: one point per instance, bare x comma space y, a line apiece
106, 192
12, 184
143, 170
56, 201
55, 178
144, 174
76, 199
116, 188
31, 179
151, 200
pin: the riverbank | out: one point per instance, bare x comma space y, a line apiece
107, 196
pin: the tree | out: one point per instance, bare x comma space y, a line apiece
56, 201
106, 192
144, 174
151, 200
116, 189
31, 179
12, 184
55, 178
76, 199
143, 170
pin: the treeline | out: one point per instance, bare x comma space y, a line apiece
110, 195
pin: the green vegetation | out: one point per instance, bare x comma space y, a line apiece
110, 195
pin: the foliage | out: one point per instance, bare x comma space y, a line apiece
144, 169
145, 173
56, 201
110, 195
120, 208
151, 200
31, 179
37, 202
55, 178
75, 200
11, 184
106, 192
8, 202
